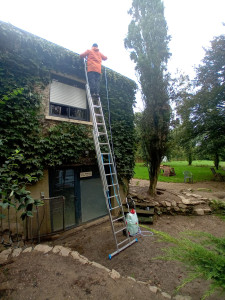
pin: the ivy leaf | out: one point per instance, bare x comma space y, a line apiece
4, 205
29, 201
21, 206
29, 213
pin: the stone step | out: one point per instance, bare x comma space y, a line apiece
150, 212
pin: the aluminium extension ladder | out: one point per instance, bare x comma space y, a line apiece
108, 174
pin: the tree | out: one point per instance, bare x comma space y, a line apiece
212, 71
148, 40
208, 120
202, 110
137, 127
181, 94
208, 105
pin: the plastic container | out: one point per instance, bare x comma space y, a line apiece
132, 223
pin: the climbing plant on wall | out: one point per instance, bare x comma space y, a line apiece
26, 62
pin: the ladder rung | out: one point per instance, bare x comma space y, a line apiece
100, 124
99, 115
123, 241
120, 230
102, 133
113, 184
110, 174
98, 106
107, 164
115, 207
103, 143
114, 196
105, 153
118, 219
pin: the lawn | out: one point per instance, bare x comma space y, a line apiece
199, 168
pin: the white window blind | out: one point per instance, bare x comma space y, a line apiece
65, 94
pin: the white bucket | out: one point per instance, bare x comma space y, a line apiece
132, 223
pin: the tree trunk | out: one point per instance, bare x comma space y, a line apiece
189, 158
153, 176
216, 161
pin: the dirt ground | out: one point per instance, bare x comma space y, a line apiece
49, 276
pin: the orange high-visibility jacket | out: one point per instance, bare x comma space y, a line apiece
94, 59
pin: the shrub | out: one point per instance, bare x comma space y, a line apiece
203, 254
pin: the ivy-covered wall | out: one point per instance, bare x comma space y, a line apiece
26, 63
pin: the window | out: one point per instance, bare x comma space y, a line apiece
68, 99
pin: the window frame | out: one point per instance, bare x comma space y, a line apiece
68, 115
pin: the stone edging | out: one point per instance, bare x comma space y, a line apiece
63, 251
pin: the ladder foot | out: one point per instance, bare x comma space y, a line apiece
123, 248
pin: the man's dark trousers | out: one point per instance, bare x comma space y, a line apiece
94, 82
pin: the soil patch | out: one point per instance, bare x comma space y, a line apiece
49, 276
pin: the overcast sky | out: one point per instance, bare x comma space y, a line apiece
76, 25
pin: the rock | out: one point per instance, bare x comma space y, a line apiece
153, 289
16, 252
176, 208
181, 197
174, 203
182, 205
186, 201
196, 196
190, 195
64, 251
43, 248
165, 295
29, 249
79, 257
131, 278
97, 265
4, 255
197, 202
57, 249
142, 282
168, 203
199, 211
114, 274
207, 210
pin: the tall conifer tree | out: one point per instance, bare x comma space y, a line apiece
148, 40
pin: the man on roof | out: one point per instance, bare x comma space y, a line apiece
94, 63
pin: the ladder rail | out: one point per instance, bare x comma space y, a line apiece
99, 124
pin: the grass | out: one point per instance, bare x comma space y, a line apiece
199, 168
